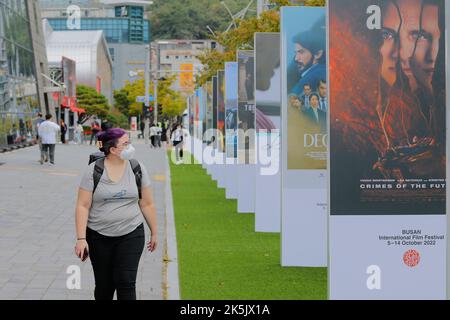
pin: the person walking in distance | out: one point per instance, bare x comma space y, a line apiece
63, 131
95, 128
47, 134
114, 199
79, 133
177, 141
164, 133
153, 134
37, 123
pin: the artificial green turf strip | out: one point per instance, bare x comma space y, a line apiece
220, 256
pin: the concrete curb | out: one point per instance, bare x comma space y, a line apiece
173, 284
10, 148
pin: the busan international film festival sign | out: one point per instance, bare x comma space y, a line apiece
387, 149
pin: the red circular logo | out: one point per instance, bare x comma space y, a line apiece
411, 258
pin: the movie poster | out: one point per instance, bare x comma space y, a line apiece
231, 108
204, 109
246, 106
191, 99
221, 109
209, 111
267, 81
214, 102
304, 47
209, 114
387, 121
196, 112
268, 125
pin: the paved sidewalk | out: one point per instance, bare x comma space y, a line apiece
37, 231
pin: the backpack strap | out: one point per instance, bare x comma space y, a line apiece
137, 174
98, 172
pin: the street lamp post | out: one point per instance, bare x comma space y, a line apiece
147, 88
155, 108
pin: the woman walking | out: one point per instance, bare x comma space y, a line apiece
63, 131
113, 200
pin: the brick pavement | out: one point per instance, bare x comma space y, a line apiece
37, 232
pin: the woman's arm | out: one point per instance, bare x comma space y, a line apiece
149, 212
81, 218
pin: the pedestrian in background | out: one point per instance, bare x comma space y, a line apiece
47, 133
37, 123
110, 216
178, 136
106, 125
79, 133
95, 128
142, 127
63, 131
158, 135
153, 134
164, 133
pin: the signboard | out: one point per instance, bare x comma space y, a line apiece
142, 98
231, 108
387, 149
268, 124
133, 123
246, 106
187, 76
214, 106
304, 137
221, 109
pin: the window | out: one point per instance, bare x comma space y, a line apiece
111, 52
36, 20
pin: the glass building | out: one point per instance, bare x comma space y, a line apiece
19, 100
123, 22
116, 30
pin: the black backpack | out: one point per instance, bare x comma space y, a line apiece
99, 159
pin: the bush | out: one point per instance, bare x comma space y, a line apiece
118, 120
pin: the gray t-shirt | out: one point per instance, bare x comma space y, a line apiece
115, 207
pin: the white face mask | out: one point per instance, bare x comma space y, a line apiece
128, 153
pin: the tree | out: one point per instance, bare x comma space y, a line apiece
188, 19
121, 101
118, 119
173, 106
167, 97
93, 102
242, 37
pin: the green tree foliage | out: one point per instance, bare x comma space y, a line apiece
173, 106
187, 19
171, 101
121, 101
118, 119
242, 38
93, 102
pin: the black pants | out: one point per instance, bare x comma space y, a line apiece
94, 136
115, 261
48, 152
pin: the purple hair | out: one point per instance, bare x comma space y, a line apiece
109, 138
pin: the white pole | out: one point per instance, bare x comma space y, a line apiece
260, 7
447, 17
147, 88
155, 108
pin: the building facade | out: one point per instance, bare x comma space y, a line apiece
124, 23
23, 67
178, 57
90, 52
